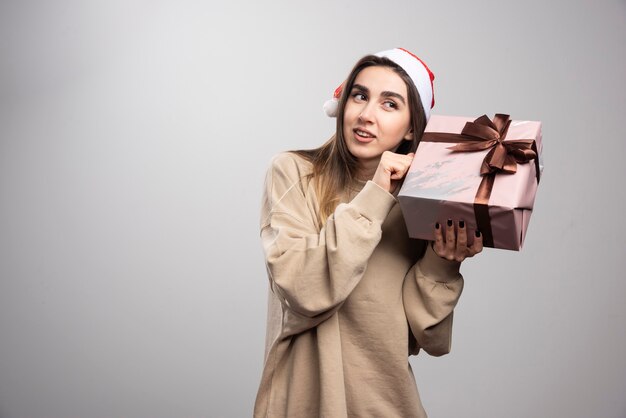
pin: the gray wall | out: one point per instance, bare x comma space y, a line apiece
134, 136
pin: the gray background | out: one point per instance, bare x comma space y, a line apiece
134, 137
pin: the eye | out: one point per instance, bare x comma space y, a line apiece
390, 104
359, 96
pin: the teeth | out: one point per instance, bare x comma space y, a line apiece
365, 134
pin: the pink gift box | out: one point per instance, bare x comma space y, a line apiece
443, 184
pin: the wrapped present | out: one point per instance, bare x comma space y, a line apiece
484, 172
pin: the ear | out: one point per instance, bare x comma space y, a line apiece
409, 135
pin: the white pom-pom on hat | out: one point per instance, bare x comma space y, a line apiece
331, 106
417, 70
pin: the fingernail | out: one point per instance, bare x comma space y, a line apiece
437, 225
449, 222
461, 224
477, 234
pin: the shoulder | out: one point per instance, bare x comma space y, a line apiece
289, 160
287, 184
290, 166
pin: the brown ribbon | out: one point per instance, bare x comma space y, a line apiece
503, 157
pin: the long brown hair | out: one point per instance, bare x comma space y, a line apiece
334, 167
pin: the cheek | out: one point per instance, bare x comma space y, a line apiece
349, 113
402, 125
395, 125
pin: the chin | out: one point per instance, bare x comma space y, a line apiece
361, 151
364, 154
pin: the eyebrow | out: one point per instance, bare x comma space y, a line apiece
384, 93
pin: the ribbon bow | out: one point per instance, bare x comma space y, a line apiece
503, 156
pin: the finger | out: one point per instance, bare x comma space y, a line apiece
450, 240
461, 242
439, 245
477, 246
398, 172
400, 168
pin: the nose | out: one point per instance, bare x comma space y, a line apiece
367, 113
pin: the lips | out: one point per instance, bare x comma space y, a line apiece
363, 135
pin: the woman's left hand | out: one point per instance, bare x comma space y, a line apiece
453, 246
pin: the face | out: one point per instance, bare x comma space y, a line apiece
376, 117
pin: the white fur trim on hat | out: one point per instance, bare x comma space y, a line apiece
420, 74
418, 71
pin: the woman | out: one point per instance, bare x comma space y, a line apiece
352, 296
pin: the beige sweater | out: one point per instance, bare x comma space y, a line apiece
348, 303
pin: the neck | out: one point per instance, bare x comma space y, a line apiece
367, 169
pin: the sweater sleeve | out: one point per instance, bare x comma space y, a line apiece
312, 271
431, 290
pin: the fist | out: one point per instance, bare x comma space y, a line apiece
391, 169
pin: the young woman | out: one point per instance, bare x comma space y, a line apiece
352, 296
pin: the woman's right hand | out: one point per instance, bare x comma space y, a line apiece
391, 169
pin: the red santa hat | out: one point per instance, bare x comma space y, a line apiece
417, 70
